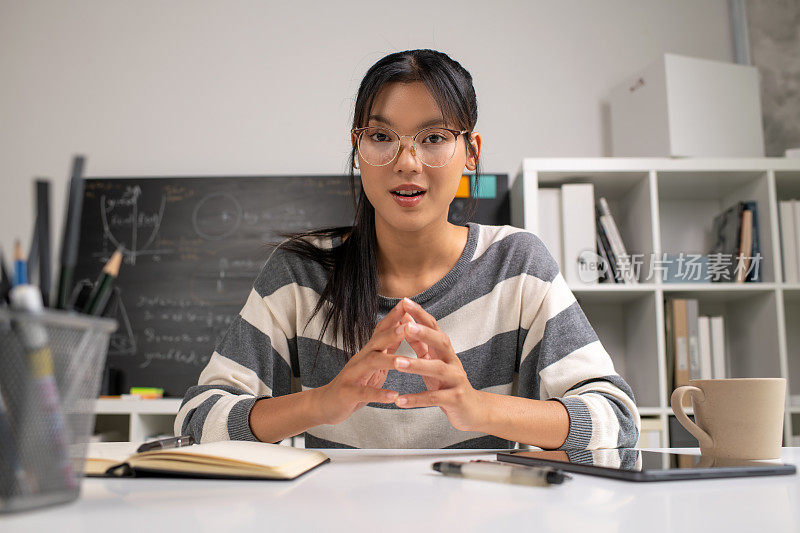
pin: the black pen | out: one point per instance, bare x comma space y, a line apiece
489, 471
173, 442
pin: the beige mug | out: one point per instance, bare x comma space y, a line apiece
737, 418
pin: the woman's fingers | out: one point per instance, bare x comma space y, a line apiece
374, 360
372, 394
391, 318
420, 315
437, 341
424, 367
422, 399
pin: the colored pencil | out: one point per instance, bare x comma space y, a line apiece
104, 286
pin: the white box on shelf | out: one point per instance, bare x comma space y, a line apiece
578, 227
550, 222
682, 106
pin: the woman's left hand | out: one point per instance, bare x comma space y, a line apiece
448, 385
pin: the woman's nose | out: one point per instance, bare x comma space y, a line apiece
408, 157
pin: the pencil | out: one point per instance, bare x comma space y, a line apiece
20, 268
104, 285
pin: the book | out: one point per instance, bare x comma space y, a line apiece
550, 223
679, 344
609, 227
704, 344
607, 254
789, 242
733, 235
606, 273
720, 369
578, 225
755, 247
223, 459
692, 313
745, 250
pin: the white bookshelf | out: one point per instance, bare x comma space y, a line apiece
664, 205
135, 420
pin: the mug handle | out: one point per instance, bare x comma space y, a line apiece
676, 401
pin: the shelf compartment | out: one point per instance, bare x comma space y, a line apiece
628, 196
625, 323
787, 184
751, 328
688, 201
791, 310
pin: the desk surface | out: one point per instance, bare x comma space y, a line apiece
396, 490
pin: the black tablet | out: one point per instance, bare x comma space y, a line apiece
632, 464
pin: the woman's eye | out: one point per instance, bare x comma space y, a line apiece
434, 138
379, 137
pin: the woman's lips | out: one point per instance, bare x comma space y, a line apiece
407, 201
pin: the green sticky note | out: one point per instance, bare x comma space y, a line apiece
487, 185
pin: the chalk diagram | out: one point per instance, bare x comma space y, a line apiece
124, 211
216, 216
119, 215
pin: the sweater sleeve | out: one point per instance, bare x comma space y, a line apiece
563, 360
252, 361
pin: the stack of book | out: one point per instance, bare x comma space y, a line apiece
583, 237
735, 236
789, 211
695, 344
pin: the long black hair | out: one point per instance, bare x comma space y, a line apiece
352, 287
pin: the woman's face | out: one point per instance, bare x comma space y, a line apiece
407, 108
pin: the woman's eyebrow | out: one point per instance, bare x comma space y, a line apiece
431, 122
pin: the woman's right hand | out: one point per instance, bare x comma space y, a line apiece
362, 377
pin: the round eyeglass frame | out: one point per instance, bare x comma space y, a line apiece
359, 131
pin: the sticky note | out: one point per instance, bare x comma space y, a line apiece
463, 188
487, 185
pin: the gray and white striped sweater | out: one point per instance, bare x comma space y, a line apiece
510, 316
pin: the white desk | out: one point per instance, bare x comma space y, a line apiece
396, 490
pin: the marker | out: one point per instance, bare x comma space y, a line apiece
69, 240
42, 430
43, 237
173, 442
537, 476
104, 286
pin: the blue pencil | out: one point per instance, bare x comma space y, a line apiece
20, 268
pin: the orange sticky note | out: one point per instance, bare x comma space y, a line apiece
463, 188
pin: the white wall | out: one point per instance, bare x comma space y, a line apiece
254, 87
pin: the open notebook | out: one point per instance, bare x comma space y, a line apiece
224, 459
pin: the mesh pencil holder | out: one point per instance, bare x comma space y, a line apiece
51, 364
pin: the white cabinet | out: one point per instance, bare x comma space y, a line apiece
135, 420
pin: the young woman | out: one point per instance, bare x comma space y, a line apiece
496, 351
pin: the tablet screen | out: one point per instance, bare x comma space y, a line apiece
632, 463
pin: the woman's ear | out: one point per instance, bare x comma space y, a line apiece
472, 160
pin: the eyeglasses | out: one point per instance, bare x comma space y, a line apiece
378, 146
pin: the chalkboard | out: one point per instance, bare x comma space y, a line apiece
192, 249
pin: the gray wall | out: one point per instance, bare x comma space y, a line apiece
252, 87
774, 31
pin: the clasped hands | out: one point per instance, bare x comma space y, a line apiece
362, 377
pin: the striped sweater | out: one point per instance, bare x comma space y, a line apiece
512, 321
